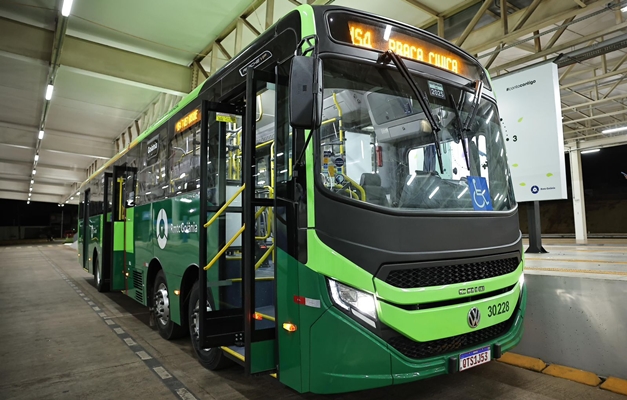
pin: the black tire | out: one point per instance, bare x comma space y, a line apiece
213, 359
101, 283
161, 308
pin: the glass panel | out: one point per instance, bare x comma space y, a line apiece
377, 146
153, 174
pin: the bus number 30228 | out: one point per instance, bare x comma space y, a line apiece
498, 309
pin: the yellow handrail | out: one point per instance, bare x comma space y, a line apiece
264, 316
361, 189
264, 257
340, 124
353, 194
221, 210
261, 278
226, 246
269, 230
328, 121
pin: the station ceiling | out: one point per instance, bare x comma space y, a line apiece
118, 65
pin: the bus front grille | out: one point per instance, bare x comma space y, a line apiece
438, 275
466, 341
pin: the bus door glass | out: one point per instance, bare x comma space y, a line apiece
239, 261
124, 196
86, 229
107, 237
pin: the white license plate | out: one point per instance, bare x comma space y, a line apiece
474, 358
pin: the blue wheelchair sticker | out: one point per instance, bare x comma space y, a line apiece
480, 194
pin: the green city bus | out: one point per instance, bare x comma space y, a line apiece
337, 197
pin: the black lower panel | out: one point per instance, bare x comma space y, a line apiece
418, 350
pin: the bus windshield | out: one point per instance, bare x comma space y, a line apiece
376, 145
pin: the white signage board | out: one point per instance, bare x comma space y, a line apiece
529, 103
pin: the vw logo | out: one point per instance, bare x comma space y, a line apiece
474, 316
162, 228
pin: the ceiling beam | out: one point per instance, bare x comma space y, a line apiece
595, 144
559, 48
450, 12
95, 59
594, 102
593, 79
547, 13
559, 32
423, 7
473, 22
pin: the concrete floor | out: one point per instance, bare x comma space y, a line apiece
56, 344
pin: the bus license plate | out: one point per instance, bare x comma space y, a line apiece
474, 358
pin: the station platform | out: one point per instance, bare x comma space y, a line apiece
63, 339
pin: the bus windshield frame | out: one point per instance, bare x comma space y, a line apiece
374, 107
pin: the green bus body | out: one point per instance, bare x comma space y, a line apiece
330, 351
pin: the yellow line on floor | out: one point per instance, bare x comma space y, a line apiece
574, 270
579, 261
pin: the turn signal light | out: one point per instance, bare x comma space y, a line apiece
177, 292
289, 327
257, 316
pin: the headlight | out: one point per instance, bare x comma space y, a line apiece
360, 304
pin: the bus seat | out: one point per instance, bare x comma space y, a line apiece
375, 194
414, 189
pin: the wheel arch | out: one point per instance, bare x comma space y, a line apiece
94, 257
190, 276
153, 269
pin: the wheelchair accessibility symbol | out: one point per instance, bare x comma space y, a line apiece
478, 186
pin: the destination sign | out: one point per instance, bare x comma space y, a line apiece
187, 121
380, 36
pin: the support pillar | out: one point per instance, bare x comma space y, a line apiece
579, 204
535, 229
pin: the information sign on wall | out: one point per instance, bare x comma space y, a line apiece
529, 103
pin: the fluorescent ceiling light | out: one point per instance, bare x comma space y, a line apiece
434, 192
71, 198
590, 151
36, 157
78, 193
41, 135
49, 91
624, 9
32, 181
462, 193
31, 189
67, 7
34, 171
28, 202
622, 128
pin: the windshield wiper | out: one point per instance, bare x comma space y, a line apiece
460, 129
420, 96
475, 105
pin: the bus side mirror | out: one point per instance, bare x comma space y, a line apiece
305, 89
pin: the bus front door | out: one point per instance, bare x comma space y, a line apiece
122, 241
239, 272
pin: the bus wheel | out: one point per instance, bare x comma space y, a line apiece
161, 303
214, 358
100, 283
